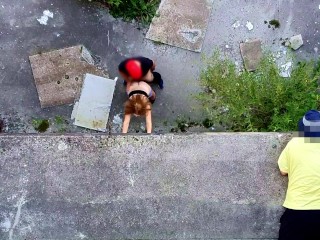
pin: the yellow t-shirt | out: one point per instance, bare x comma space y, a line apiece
301, 160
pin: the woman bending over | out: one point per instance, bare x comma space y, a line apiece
140, 99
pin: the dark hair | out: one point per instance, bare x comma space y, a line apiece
137, 104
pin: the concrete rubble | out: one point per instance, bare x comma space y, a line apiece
59, 74
249, 26
43, 20
285, 69
296, 42
236, 24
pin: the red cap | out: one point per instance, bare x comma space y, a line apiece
134, 69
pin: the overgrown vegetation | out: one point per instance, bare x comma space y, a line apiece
260, 100
140, 10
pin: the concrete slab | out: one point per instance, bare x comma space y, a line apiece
181, 23
59, 74
200, 186
92, 109
251, 52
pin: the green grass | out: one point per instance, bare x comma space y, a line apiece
59, 120
61, 123
141, 10
260, 100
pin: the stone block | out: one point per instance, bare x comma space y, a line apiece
251, 53
296, 42
59, 74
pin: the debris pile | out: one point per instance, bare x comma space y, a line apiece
59, 79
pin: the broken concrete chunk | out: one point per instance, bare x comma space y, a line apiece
236, 24
45, 17
251, 53
86, 55
296, 42
286, 43
285, 70
59, 74
249, 25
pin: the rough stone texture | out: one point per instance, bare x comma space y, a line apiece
112, 40
296, 42
59, 74
205, 186
251, 53
181, 23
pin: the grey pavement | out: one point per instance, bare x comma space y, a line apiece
199, 186
77, 22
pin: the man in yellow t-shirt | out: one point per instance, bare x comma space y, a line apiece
300, 160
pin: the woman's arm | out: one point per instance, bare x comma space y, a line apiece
149, 121
126, 122
125, 77
153, 65
128, 86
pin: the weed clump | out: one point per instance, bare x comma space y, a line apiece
61, 123
274, 23
141, 10
41, 125
260, 100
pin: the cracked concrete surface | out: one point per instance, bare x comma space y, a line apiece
181, 23
77, 22
141, 187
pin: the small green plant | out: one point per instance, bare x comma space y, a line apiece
275, 23
41, 125
260, 100
60, 122
183, 124
140, 10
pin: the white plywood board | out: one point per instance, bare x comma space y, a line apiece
93, 107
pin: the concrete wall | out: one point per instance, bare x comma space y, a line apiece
204, 186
